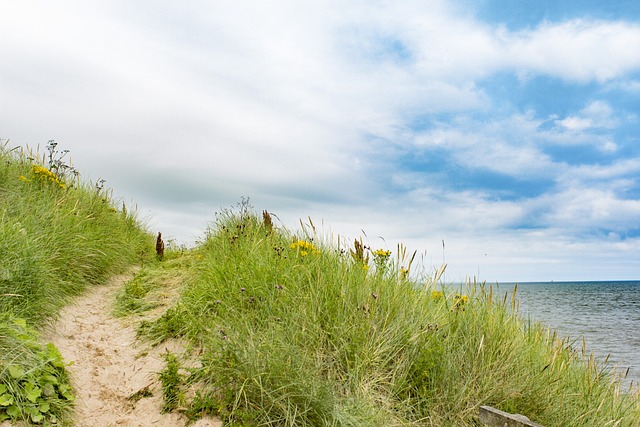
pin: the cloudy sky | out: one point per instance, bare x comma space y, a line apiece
509, 130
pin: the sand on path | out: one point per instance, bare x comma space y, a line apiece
110, 364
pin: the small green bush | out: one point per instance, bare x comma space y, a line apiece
34, 386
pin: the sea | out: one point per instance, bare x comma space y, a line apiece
605, 314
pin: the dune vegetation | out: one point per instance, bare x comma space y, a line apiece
58, 236
291, 330
281, 328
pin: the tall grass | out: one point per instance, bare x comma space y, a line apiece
294, 331
57, 238
58, 235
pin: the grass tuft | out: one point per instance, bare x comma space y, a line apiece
171, 380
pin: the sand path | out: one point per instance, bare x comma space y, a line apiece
110, 364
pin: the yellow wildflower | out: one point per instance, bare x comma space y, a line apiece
459, 301
437, 295
304, 247
381, 253
43, 175
461, 298
381, 260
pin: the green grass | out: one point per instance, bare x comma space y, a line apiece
58, 235
293, 331
155, 285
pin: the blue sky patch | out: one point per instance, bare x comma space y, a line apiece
530, 13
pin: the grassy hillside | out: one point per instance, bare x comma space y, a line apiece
293, 331
58, 235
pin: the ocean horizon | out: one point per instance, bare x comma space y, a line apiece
606, 314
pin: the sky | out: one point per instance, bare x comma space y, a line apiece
499, 137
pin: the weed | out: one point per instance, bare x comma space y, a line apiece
171, 380
131, 299
381, 260
140, 394
358, 254
34, 385
267, 222
57, 163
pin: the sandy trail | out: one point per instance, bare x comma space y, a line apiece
110, 364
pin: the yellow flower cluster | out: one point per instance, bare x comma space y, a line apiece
304, 248
437, 295
382, 253
459, 301
43, 174
381, 260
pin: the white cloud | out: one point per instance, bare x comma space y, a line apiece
577, 50
506, 145
597, 114
575, 123
609, 147
621, 175
584, 208
632, 86
446, 45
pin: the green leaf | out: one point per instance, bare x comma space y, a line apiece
15, 371
3, 388
66, 392
57, 363
6, 399
36, 416
49, 390
32, 392
44, 407
48, 379
52, 350
13, 411
54, 356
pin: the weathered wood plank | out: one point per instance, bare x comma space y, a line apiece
495, 418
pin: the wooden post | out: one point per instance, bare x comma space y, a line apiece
495, 418
160, 247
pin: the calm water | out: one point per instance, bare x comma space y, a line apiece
607, 314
